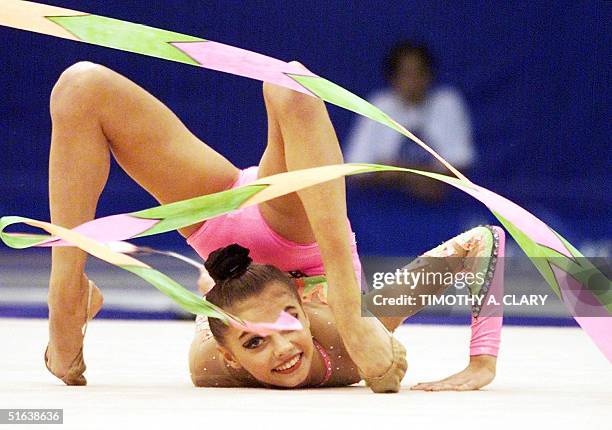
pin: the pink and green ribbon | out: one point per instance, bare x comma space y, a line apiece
567, 272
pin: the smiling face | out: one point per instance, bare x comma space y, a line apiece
283, 358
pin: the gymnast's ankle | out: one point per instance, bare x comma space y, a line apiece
68, 298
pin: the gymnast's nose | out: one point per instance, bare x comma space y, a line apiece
282, 346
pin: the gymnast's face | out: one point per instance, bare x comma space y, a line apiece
282, 359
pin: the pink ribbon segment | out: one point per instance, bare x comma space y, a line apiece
580, 302
533, 227
285, 322
238, 61
108, 229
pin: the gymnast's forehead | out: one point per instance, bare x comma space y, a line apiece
267, 305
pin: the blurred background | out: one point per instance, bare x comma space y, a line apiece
534, 77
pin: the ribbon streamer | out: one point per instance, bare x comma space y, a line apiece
554, 257
563, 267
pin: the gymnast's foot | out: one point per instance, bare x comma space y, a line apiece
64, 355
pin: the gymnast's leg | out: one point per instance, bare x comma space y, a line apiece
95, 113
464, 253
475, 252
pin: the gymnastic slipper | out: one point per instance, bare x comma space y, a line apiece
74, 375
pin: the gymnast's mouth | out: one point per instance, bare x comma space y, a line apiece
290, 365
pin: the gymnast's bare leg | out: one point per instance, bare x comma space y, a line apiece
95, 113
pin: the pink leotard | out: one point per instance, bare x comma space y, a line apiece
248, 228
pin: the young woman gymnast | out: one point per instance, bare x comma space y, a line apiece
97, 112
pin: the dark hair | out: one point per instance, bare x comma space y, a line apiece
236, 279
401, 50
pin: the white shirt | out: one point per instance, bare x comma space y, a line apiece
441, 121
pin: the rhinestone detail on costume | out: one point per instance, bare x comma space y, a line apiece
326, 362
490, 271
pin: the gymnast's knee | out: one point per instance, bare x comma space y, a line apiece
80, 89
287, 102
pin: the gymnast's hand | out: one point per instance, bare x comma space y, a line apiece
480, 372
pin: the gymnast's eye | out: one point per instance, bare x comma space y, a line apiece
291, 310
253, 342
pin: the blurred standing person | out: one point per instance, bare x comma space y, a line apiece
437, 115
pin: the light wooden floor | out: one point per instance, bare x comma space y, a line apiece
138, 378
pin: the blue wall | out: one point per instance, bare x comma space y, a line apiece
535, 75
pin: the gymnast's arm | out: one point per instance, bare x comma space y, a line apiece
366, 340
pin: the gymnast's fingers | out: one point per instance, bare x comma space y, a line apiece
423, 386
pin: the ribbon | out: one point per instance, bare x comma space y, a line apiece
567, 272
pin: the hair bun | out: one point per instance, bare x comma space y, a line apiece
229, 262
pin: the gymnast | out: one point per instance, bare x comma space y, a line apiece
96, 112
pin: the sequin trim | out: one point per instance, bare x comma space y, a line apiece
490, 273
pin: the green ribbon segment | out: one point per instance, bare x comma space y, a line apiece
127, 36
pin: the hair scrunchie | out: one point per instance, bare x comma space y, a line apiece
229, 262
